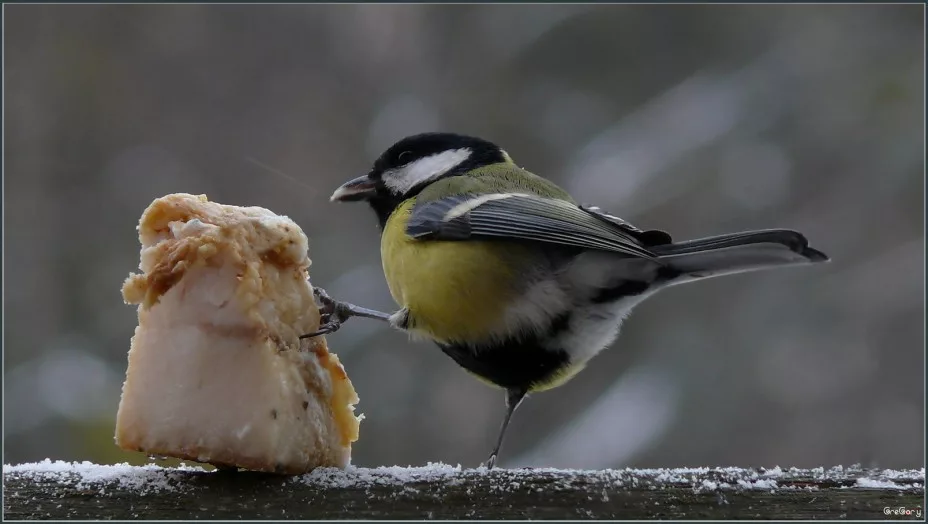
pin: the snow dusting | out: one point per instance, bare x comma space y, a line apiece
384, 476
699, 479
87, 475
433, 477
881, 484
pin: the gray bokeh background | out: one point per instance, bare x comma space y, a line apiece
695, 119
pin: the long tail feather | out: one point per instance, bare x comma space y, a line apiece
737, 253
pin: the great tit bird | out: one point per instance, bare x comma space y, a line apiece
509, 275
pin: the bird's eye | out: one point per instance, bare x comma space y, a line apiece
404, 154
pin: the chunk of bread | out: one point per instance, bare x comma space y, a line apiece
217, 372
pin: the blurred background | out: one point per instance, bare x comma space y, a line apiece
694, 119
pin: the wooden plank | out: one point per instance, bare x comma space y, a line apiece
85, 491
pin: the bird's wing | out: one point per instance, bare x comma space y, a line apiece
651, 237
524, 217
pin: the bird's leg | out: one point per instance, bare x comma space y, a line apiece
514, 397
334, 313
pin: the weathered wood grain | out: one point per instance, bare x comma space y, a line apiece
63, 491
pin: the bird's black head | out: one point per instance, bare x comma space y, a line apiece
413, 163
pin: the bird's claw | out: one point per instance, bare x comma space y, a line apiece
491, 462
332, 313
322, 297
324, 329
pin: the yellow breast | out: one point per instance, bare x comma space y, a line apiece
454, 291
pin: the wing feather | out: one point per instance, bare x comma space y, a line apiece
523, 217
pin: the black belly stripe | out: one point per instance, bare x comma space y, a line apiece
514, 363
509, 365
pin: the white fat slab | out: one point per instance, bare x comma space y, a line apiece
402, 179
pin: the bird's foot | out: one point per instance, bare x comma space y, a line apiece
490, 463
334, 313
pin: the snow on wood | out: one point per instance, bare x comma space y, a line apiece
65, 490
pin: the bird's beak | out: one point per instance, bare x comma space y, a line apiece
360, 188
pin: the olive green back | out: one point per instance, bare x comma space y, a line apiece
503, 177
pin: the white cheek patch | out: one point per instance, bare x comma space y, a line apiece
403, 179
